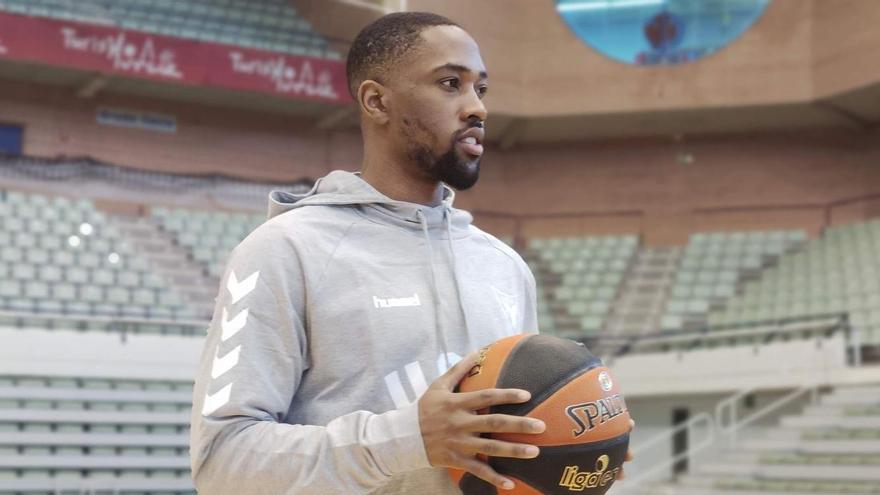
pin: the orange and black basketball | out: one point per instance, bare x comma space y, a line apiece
587, 434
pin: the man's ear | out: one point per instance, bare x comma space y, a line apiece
373, 100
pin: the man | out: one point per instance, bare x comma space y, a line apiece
335, 314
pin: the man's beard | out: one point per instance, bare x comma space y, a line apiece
448, 167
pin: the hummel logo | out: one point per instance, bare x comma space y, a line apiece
396, 302
508, 304
240, 289
231, 327
216, 401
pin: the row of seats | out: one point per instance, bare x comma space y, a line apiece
579, 278
271, 25
84, 434
63, 256
713, 265
837, 273
208, 236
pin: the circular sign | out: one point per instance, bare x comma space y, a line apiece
654, 32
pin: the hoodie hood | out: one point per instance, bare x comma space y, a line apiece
341, 188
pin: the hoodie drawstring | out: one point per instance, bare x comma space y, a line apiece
438, 327
447, 222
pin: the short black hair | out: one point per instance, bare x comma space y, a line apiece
385, 41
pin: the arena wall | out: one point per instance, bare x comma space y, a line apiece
663, 189
798, 50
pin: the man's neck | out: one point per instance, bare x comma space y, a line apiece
391, 180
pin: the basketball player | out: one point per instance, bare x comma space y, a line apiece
335, 315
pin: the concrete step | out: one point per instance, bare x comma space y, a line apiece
845, 410
696, 484
812, 446
853, 395
793, 472
831, 422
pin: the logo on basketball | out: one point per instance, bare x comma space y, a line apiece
605, 381
478, 366
577, 481
588, 415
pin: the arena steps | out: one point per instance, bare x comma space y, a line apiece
853, 396
644, 292
742, 485
812, 446
172, 262
832, 447
832, 421
757, 468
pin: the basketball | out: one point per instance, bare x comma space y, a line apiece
587, 434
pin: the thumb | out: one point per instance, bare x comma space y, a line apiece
456, 373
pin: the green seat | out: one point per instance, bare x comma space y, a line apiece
24, 271
144, 297
118, 295
91, 293
11, 254
103, 277
76, 275
64, 292
10, 288
36, 290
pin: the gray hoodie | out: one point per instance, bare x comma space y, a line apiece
332, 318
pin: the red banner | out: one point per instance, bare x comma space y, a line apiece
138, 54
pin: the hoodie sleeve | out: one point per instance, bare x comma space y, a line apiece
530, 305
530, 315
251, 366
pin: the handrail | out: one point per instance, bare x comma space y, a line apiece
730, 404
688, 425
717, 427
764, 328
710, 330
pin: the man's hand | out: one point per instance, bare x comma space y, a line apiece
629, 453
451, 427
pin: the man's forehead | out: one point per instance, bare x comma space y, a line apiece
449, 48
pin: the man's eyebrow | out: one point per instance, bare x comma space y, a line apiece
458, 68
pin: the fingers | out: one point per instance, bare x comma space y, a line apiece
484, 472
498, 448
480, 399
456, 373
502, 423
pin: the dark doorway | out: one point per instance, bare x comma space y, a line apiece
680, 440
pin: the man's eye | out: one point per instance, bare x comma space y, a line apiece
482, 90
450, 83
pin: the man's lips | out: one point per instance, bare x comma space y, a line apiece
471, 148
471, 141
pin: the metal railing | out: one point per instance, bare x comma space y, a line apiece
690, 426
725, 424
727, 409
121, 325
762, 331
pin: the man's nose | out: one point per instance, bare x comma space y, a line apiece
474, 108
